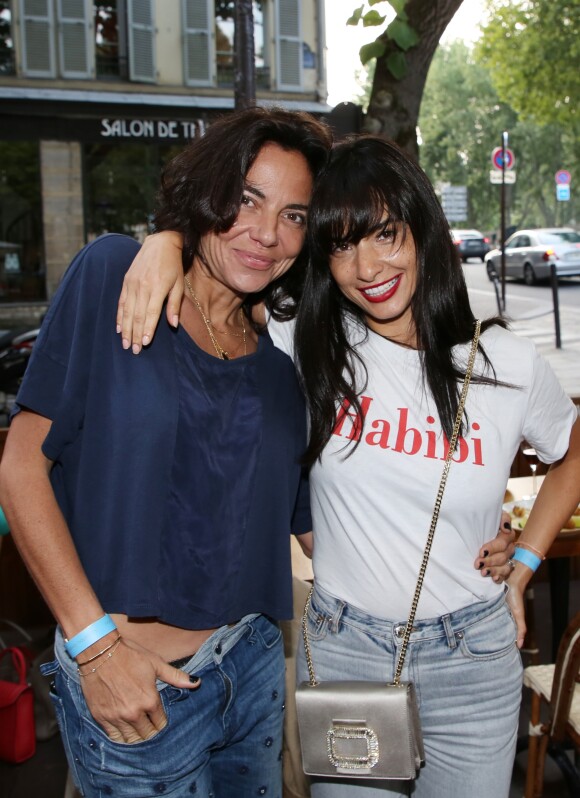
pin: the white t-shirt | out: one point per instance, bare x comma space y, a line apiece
372, 510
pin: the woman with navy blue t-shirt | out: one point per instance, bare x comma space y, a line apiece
152, 498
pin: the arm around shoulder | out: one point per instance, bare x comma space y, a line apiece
155, 274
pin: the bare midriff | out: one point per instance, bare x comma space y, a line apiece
170, 642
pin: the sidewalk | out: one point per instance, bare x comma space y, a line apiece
564, 361
541, 329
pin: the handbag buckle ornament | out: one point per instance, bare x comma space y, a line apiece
353, 760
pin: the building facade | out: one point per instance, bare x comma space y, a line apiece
96, 96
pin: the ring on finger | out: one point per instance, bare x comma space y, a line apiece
511, 564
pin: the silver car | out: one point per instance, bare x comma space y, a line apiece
529, 253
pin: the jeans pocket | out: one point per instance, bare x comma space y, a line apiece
268, 632
65, 728
92, 734
491, 637
49, 668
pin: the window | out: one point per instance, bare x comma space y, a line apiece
21, 253
56, 38
288, 45
141, 27
224, 37
208, 27
197, 42
6, 42
81, 39
122, 181
111, 40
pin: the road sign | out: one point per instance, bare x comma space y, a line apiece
562, 193
454, 202
495, 176
497, 158
563, 177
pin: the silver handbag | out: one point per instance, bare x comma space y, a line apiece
370, 730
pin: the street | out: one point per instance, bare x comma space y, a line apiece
530, 312
522, 301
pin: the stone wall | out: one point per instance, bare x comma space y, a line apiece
62, 203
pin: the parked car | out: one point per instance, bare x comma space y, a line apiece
529, 254
15, 350
470, 244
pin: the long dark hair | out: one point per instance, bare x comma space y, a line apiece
364, 177
201, 188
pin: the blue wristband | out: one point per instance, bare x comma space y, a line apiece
527, 558
89, 635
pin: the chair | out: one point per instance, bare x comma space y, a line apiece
558, 687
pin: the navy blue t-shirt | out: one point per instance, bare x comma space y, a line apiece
177, 473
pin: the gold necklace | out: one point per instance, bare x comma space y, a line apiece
220, 351
226, 332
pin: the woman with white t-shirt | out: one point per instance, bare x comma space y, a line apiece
382, 384
382, 335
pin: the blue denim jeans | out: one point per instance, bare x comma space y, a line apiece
467, 672
222, 740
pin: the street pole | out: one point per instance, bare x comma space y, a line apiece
244, 70
504, 143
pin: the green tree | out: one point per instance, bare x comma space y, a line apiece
403, 53
532, 49
462, 120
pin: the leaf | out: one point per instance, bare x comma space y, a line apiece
367, 52
372, 18
402, 34
356, 16
399, 6
397, 65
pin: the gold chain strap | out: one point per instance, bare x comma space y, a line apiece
434, 519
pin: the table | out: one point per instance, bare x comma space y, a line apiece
566, 545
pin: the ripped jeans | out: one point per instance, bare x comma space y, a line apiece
222, 740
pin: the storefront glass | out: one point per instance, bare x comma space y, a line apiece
121, 184
21, 248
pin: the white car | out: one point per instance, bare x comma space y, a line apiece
529, 254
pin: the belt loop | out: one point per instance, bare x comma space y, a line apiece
446, 621
334, 620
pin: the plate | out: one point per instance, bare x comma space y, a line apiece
526, 504
519, 521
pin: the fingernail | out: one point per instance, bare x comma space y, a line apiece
126, 344
486, 572
507, 525
146, 340
175, 321
118, 328
485, 553
194, 679
480, 566
136, 349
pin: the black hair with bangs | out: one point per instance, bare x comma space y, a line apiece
365, 177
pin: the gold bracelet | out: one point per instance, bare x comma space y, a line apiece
531, 548
107, 658
102, 651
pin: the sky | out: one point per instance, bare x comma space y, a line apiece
344, 41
